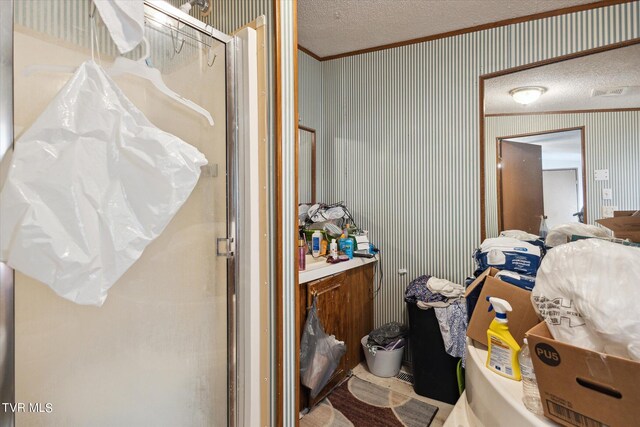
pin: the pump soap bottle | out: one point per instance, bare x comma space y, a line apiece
503, 348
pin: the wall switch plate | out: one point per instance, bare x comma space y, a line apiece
607, 211
607, 194
601, 174
402, 271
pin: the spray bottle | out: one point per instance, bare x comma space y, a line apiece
544, 230
503, 348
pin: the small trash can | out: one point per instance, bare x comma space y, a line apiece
434, 371
385, 363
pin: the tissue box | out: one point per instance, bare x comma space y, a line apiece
581, 387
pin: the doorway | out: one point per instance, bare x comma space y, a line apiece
541, 174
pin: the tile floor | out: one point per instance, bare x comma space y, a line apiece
402, 387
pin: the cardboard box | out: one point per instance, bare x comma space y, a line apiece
580, 387
623, 225
521, 319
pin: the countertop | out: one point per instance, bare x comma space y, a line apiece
318, 268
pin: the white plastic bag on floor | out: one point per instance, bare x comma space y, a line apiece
588, 293
91, 183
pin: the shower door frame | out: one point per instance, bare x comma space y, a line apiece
7, 276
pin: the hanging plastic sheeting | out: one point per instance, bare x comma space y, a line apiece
125, 21
91, 183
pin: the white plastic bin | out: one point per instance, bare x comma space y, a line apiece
385, 363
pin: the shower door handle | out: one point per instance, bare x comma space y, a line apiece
229, 251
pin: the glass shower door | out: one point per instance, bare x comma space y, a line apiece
156, 353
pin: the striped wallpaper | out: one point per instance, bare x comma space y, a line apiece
304, 166
400, 139
310, 93
612, 141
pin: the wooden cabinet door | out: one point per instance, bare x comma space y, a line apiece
332, 300
360, 311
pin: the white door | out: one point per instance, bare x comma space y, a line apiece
560, 196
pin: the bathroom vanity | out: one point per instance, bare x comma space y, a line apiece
345, 308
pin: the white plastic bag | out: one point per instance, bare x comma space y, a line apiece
588, 293
320, 353
91, 183
125, 21
520, 235
561, 234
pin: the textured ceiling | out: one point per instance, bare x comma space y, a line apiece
330, 27
569, 84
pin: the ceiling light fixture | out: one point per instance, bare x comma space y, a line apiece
528, 94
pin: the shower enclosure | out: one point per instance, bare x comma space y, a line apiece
161, 351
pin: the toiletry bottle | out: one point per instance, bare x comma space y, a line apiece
302, 255
316, 239
333, 249
341, 241
503, 348
323, 248
345, 245
348, 247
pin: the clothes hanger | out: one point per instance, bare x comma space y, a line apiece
124, 65
140, 69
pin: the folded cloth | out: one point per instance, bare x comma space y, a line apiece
445, 287
425, 305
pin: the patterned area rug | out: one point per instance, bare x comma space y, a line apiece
360, 403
